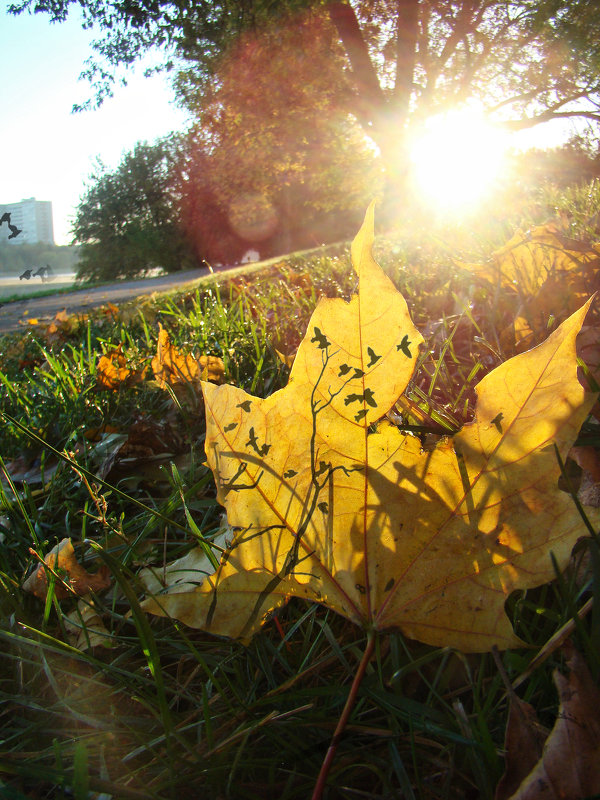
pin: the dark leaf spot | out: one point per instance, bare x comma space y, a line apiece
353, 398
497, 422
369, 398
320, 338
373, 357
404, 346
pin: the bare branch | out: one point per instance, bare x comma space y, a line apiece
546, 116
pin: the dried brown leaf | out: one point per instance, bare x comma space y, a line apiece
73, 577
172, 368
112, 371
569, 768
523, 743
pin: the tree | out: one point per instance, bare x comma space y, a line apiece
526, 61
290, 169
15, 260
576, 162
127, 221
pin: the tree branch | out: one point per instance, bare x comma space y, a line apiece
546, 116
550, 110
463, 24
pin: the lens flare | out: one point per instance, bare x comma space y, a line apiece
456, 159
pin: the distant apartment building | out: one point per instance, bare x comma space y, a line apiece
32, 217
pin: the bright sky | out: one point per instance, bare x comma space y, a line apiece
48, 152
458, 156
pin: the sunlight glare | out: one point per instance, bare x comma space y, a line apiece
455, 160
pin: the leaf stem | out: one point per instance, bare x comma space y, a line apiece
350, 700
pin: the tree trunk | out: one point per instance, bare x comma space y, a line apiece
383, 117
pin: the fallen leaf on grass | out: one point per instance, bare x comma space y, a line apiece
113, 371
569, 767
588, 458
110, 310
60, 327
172, 368
184, 574
144, 307
333, 503
529, 260
85, 627
138, 454
33, 470
95, 434
104, 453
523, 745
61, 560
551, 277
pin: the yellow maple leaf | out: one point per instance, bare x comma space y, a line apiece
529, 259
172, 368
335, 504
551, 276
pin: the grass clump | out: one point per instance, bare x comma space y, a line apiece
102, 700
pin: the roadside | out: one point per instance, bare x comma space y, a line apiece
15, 315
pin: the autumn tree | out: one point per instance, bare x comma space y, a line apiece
127, 222
289, 167
526, 61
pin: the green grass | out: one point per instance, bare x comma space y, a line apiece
164, 711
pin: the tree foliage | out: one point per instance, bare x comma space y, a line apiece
126, 222
526, 61
286, 165
15, 259
286, 92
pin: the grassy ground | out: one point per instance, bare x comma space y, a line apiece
158, 710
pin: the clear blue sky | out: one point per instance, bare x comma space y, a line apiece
46, 151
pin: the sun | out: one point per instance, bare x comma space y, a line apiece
456, 157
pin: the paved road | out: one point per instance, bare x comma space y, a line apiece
14, 316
